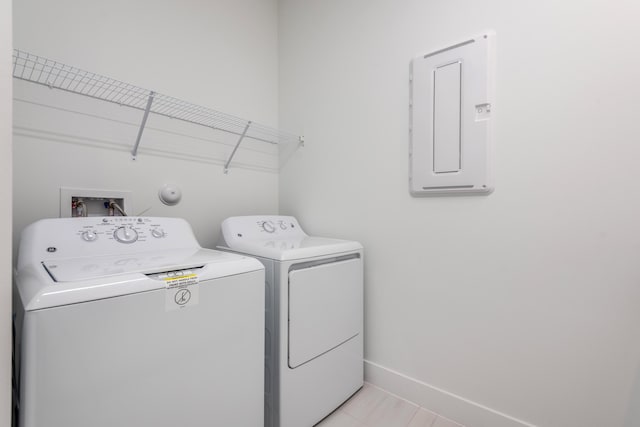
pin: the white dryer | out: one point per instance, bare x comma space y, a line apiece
314, 316
128, 322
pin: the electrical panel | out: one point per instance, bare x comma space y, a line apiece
452, 114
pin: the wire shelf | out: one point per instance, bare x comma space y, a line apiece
56, 75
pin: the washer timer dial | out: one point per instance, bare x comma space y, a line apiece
125, 234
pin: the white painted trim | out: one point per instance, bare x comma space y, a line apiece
6, 213
442, 402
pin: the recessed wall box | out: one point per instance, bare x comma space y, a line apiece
77, 202
451, 109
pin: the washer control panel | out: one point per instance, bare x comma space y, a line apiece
93, 236
125, 230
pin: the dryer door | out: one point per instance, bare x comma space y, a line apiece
325, 308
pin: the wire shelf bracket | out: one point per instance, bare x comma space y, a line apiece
56, 75
134, 152
233, 153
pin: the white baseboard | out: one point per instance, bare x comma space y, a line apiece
449, 405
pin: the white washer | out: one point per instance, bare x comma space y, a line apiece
314, 316
125, 321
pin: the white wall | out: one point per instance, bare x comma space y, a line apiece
221, 54
5, 214
522, 305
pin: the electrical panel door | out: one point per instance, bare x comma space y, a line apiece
452, 114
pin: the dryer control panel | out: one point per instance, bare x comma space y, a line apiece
278, 237
261, 227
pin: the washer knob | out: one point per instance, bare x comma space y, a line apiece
157, 232
125, 234
268, 227
89, 235
283, 226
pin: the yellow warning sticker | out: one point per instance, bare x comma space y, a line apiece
181, 291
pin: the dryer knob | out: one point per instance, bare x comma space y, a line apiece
268, 227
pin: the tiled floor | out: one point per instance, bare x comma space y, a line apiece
374, 407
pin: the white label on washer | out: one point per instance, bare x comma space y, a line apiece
182, 291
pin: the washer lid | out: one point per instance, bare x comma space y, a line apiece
52, 283
91, 268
